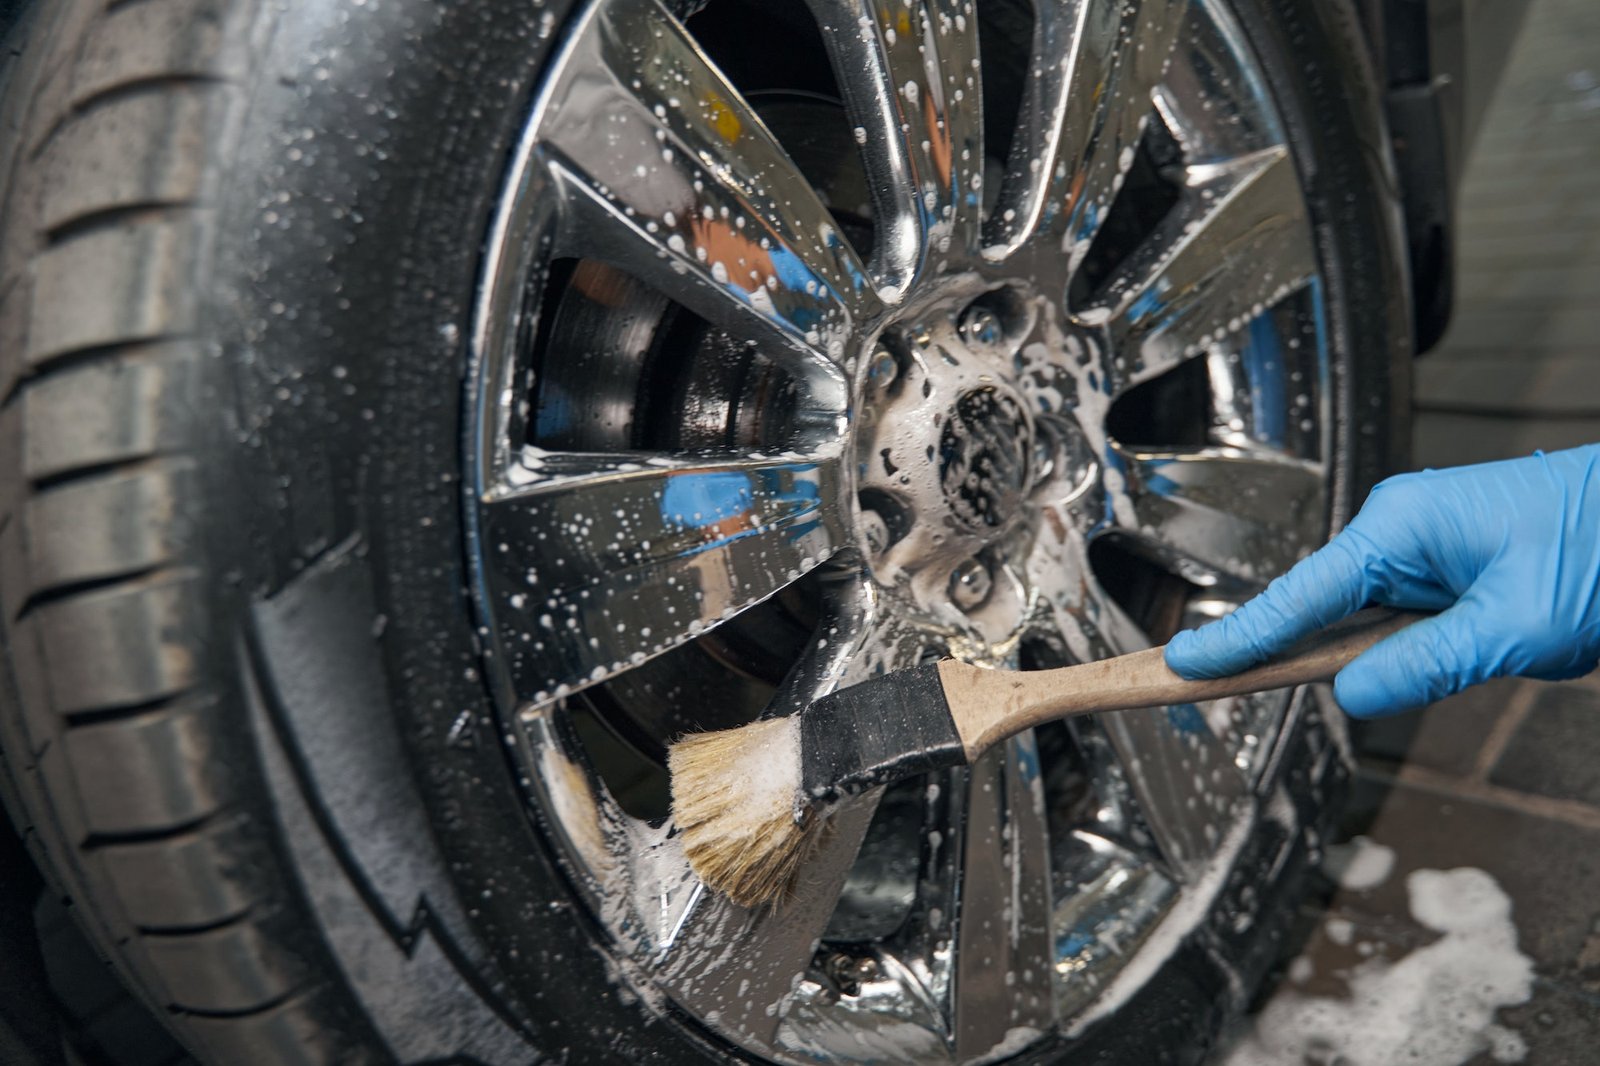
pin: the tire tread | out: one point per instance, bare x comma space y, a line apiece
116, 763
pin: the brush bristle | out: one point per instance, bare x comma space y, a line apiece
733, 800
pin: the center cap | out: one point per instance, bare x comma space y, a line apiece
984, 456
959, 452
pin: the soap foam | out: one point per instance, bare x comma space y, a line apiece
1359, 865
1433, 1007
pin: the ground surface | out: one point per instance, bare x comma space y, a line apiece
1505, 779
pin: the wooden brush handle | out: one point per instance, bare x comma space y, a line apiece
990, 705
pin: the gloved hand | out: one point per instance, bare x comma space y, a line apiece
1509, 552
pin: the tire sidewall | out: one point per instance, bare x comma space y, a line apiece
367, 165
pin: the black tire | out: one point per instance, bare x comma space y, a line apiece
244, 732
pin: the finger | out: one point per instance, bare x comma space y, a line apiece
1316, 592
1424, 662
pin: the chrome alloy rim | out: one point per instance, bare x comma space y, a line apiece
781, 385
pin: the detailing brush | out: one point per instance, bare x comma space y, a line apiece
752, 802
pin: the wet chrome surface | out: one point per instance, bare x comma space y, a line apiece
943, 462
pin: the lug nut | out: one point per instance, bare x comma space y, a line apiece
970, 584
849, 972
882, 369
979, 325
875, 530
1044, 452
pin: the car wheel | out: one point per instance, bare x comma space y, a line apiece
417, 415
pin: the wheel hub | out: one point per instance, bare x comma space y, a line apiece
949, 452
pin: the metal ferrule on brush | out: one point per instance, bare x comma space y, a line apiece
877, 731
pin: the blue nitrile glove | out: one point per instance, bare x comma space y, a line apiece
1509, 552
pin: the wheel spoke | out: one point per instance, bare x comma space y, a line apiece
1243, 515
1182, 776
1073, 609
748, 990
666, 171
861, 639
1237, 242
910, 77
1003, 980
603, 561
1094, 65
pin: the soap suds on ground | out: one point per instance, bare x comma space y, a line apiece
1433, 1007
1359, 865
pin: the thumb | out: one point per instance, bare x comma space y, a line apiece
1424, 662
